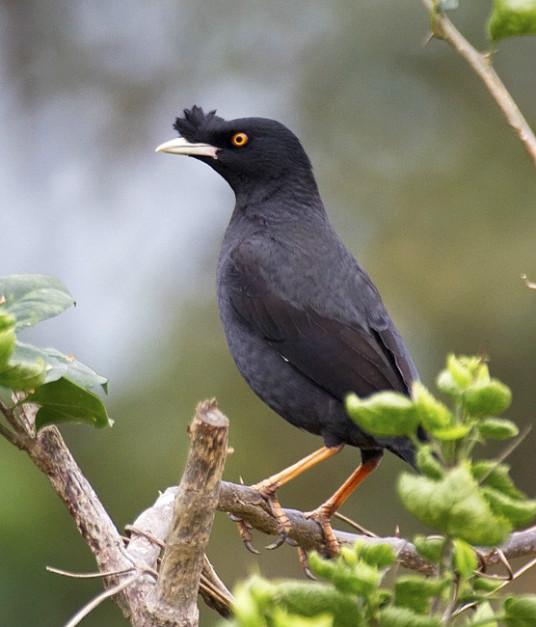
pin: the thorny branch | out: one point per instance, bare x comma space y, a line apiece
480, 63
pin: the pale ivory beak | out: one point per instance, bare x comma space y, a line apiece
181, 146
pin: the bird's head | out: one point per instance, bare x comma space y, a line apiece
247, 152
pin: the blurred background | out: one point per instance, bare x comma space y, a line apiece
430, 189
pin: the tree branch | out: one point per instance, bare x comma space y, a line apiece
195, 505
480, 63
188, 511
246, 502
51, 455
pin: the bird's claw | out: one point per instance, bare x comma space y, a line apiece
244, 530
322, 516
279, 541
304, 563
283, 523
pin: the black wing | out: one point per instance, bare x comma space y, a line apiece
338, 355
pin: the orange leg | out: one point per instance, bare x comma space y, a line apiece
274, 482
324, 512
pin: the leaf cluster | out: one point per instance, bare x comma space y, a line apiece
63, 389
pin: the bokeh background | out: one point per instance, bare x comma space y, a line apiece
419, 171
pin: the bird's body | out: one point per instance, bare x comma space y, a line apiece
304, 323
302, 345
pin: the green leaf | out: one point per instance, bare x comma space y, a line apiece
379, 555
520, 611
64, 401
518, 512
483, 612
311, 599
497, 428
460, 371
449, 434
496, 476
453, 506
404, 617
22, 376
484, 584
512, 17
487, 398
33, 297
415, 592
384, 413
430, 547
58, 365
445, 383
17, 372
432, 413
361, 580
427, 463
465, 559
246, 608
7, 337
283, 619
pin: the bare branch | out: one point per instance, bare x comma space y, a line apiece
49, 452
214, 591
480, 63
99, 575
147, 537
87, 609
196, 499
11, 436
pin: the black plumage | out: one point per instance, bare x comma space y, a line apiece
304, 322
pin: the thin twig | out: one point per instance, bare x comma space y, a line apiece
87, 609
98, 575
506, 453
355, 525
12, 437
444, 29
11, 418
505, 583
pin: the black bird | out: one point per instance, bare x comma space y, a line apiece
304, 322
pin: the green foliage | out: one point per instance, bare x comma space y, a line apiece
465, 560
483, 612
61, 387
466, 502
387, 413
454, 506
31, 298
65, 401
520, 611
512, 17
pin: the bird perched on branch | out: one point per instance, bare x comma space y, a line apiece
304, 322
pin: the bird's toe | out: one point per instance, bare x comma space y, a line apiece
244, 530
268, 493
322, 516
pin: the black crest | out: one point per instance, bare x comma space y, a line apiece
196, 124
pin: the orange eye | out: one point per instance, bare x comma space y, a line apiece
239, 140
